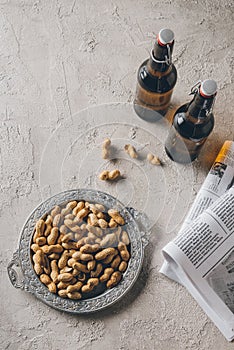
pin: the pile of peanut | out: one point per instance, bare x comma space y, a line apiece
79, 246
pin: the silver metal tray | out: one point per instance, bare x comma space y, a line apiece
20, 268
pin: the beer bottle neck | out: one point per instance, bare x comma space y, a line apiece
200, 107
160, 58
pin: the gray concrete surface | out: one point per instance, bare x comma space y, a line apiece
57, 58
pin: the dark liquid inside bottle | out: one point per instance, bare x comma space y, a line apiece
191, 126
156, 79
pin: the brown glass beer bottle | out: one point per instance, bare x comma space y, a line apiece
156, 79
192, 124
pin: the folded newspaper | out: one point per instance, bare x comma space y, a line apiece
201, 257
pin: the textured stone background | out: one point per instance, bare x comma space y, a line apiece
58, 57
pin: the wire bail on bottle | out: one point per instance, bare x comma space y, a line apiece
209, 110
167, 58
195, 87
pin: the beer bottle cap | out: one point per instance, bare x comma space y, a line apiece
165, 36
208, 88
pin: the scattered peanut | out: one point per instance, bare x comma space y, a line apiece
109, 175
104, 175
106, 148
153, 159
114, 174
131, 151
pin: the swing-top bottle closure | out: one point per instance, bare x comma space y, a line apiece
206, 89
165, 38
